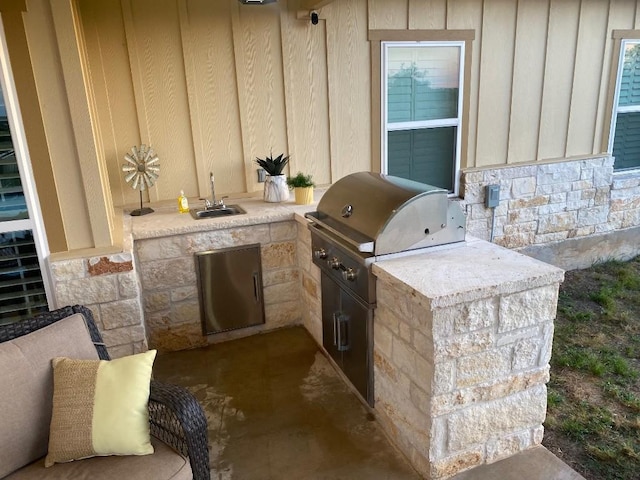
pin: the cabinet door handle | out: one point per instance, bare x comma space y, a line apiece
343, 333
256, 287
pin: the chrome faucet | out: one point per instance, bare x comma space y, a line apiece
213, 204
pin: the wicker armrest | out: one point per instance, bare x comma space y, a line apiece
177, 419
23, 327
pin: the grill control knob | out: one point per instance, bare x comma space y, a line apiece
349, 274
334, 263
320, 254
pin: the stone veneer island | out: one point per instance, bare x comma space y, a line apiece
462, 334
462, 342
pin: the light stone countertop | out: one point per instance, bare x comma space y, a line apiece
466, 272
166, 220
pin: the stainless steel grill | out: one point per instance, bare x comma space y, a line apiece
362, 218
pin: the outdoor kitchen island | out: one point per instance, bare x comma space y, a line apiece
462, 333
462, 342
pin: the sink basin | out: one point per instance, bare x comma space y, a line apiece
227, 211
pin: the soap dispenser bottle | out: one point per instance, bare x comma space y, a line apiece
183, 203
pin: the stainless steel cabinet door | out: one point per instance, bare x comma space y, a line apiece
347, 335
330, 308
230, 288
354, 325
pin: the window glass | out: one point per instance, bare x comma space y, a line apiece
626, 134
422, 83
423, 155
422, 111
630, 80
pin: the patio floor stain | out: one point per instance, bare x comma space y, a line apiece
278, 410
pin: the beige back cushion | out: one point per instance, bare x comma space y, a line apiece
27, 393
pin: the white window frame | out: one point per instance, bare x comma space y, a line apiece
448, 122
35, 222
624, 109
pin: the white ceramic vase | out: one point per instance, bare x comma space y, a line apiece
276, 189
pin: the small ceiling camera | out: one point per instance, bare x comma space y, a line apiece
314, 18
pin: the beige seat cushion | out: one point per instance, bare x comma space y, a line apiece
27, 393
163, 464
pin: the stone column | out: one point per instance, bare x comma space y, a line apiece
462, 342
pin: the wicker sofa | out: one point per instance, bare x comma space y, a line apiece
177, 422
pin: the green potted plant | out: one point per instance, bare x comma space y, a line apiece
302, 186
275, 184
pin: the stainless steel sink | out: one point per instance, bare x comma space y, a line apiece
227, 211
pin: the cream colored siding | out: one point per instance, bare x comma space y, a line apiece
558, 80
528, 79
259, 69
209, 69
152, 30
467, 15
75, 232
349, 77
586, 76
496, 74
306, 93
388, 15
427, 15
108, 60
213, 84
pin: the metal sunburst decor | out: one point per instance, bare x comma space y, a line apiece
141, 171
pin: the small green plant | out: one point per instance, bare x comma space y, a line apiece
605, 297
554, 398
300, 181
273, 166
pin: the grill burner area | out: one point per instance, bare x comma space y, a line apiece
363, 218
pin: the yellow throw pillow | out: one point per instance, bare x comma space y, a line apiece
100, 408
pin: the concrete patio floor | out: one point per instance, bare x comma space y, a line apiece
278, 410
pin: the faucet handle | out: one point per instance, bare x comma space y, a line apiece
221, 202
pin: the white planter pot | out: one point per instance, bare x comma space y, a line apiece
276, 189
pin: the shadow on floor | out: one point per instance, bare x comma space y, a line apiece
278, 410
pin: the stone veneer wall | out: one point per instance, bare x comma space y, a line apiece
169, 287
109, 286
310, 292
460, 381
551, 202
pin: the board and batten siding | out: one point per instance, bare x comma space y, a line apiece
213, 84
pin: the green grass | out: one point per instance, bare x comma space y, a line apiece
593, 408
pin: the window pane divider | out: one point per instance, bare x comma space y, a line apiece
446, 122
629, 109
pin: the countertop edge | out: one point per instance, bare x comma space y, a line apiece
476, 270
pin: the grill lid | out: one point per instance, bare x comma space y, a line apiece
380, 214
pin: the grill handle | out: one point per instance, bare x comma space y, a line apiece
364, 246
343, 332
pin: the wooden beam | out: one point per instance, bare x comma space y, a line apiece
36, 137
105, 230
13, 6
